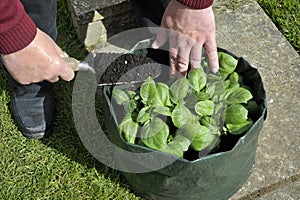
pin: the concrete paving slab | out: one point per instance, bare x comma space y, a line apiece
244, 29
287, 191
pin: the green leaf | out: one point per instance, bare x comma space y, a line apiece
179, 90
206, 107
163, 94
120, 96
173, 148
236, 114
155, 93
184, 142
161, 110
131, 106
219, 91
177, 146
155, 134
238, 95
182, 115
132, 95
211, 89
234, 77
202, 96
237, 129
143, 115
226, 84
197, 79
128, 129
207, 121
200, 136
202, 141
227, 64
148, 90
211, 78
191, 99
220, 110
234, 86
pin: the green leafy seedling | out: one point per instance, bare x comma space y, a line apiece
191, 113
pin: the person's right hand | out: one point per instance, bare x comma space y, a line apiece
40, 60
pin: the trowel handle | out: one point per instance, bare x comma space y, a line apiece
72, 62
76, 65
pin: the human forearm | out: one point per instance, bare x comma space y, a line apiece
17, 30
29, 55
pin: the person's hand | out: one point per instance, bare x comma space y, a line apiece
40, 60
190, 30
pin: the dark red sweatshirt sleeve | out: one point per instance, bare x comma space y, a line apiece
196, 4
17, 29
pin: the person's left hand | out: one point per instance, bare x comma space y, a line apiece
189, 30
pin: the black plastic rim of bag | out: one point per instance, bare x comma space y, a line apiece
214, 176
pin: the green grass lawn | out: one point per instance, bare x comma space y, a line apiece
60, 167
286, 16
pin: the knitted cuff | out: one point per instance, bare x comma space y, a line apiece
19, 36
196, 4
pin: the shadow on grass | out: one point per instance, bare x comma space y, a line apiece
65, 139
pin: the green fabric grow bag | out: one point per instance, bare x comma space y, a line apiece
214, 176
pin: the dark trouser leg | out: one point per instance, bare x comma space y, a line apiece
149, 12
33, 105
43, 13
